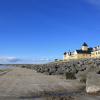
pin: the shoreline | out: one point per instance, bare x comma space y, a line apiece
25, 83
56, 72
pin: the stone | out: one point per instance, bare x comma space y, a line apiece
70, 75
93, 83
81, 76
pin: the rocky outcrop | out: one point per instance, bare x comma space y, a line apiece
76, 68
82, 75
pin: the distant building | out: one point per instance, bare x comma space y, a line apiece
84, 52
96, 52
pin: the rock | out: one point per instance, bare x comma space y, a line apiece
93, 83
60, 68
70, 75
93, 68
60, 71
81, 76
52, 70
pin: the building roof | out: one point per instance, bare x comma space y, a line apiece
80, 51
84, 44
65, 53
85, 52
90, 49
96, 48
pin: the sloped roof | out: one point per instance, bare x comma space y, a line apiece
85, 52
90, 49
84, 44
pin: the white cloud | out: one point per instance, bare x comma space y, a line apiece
42, 59
9, 59
14, 60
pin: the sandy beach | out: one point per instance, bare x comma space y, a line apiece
26, 84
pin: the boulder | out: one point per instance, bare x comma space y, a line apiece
81, 76
93, 83
70, 75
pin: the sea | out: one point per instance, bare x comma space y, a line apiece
5, 67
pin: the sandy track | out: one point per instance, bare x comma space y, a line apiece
21, 82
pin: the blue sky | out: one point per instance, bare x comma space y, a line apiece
44, 29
